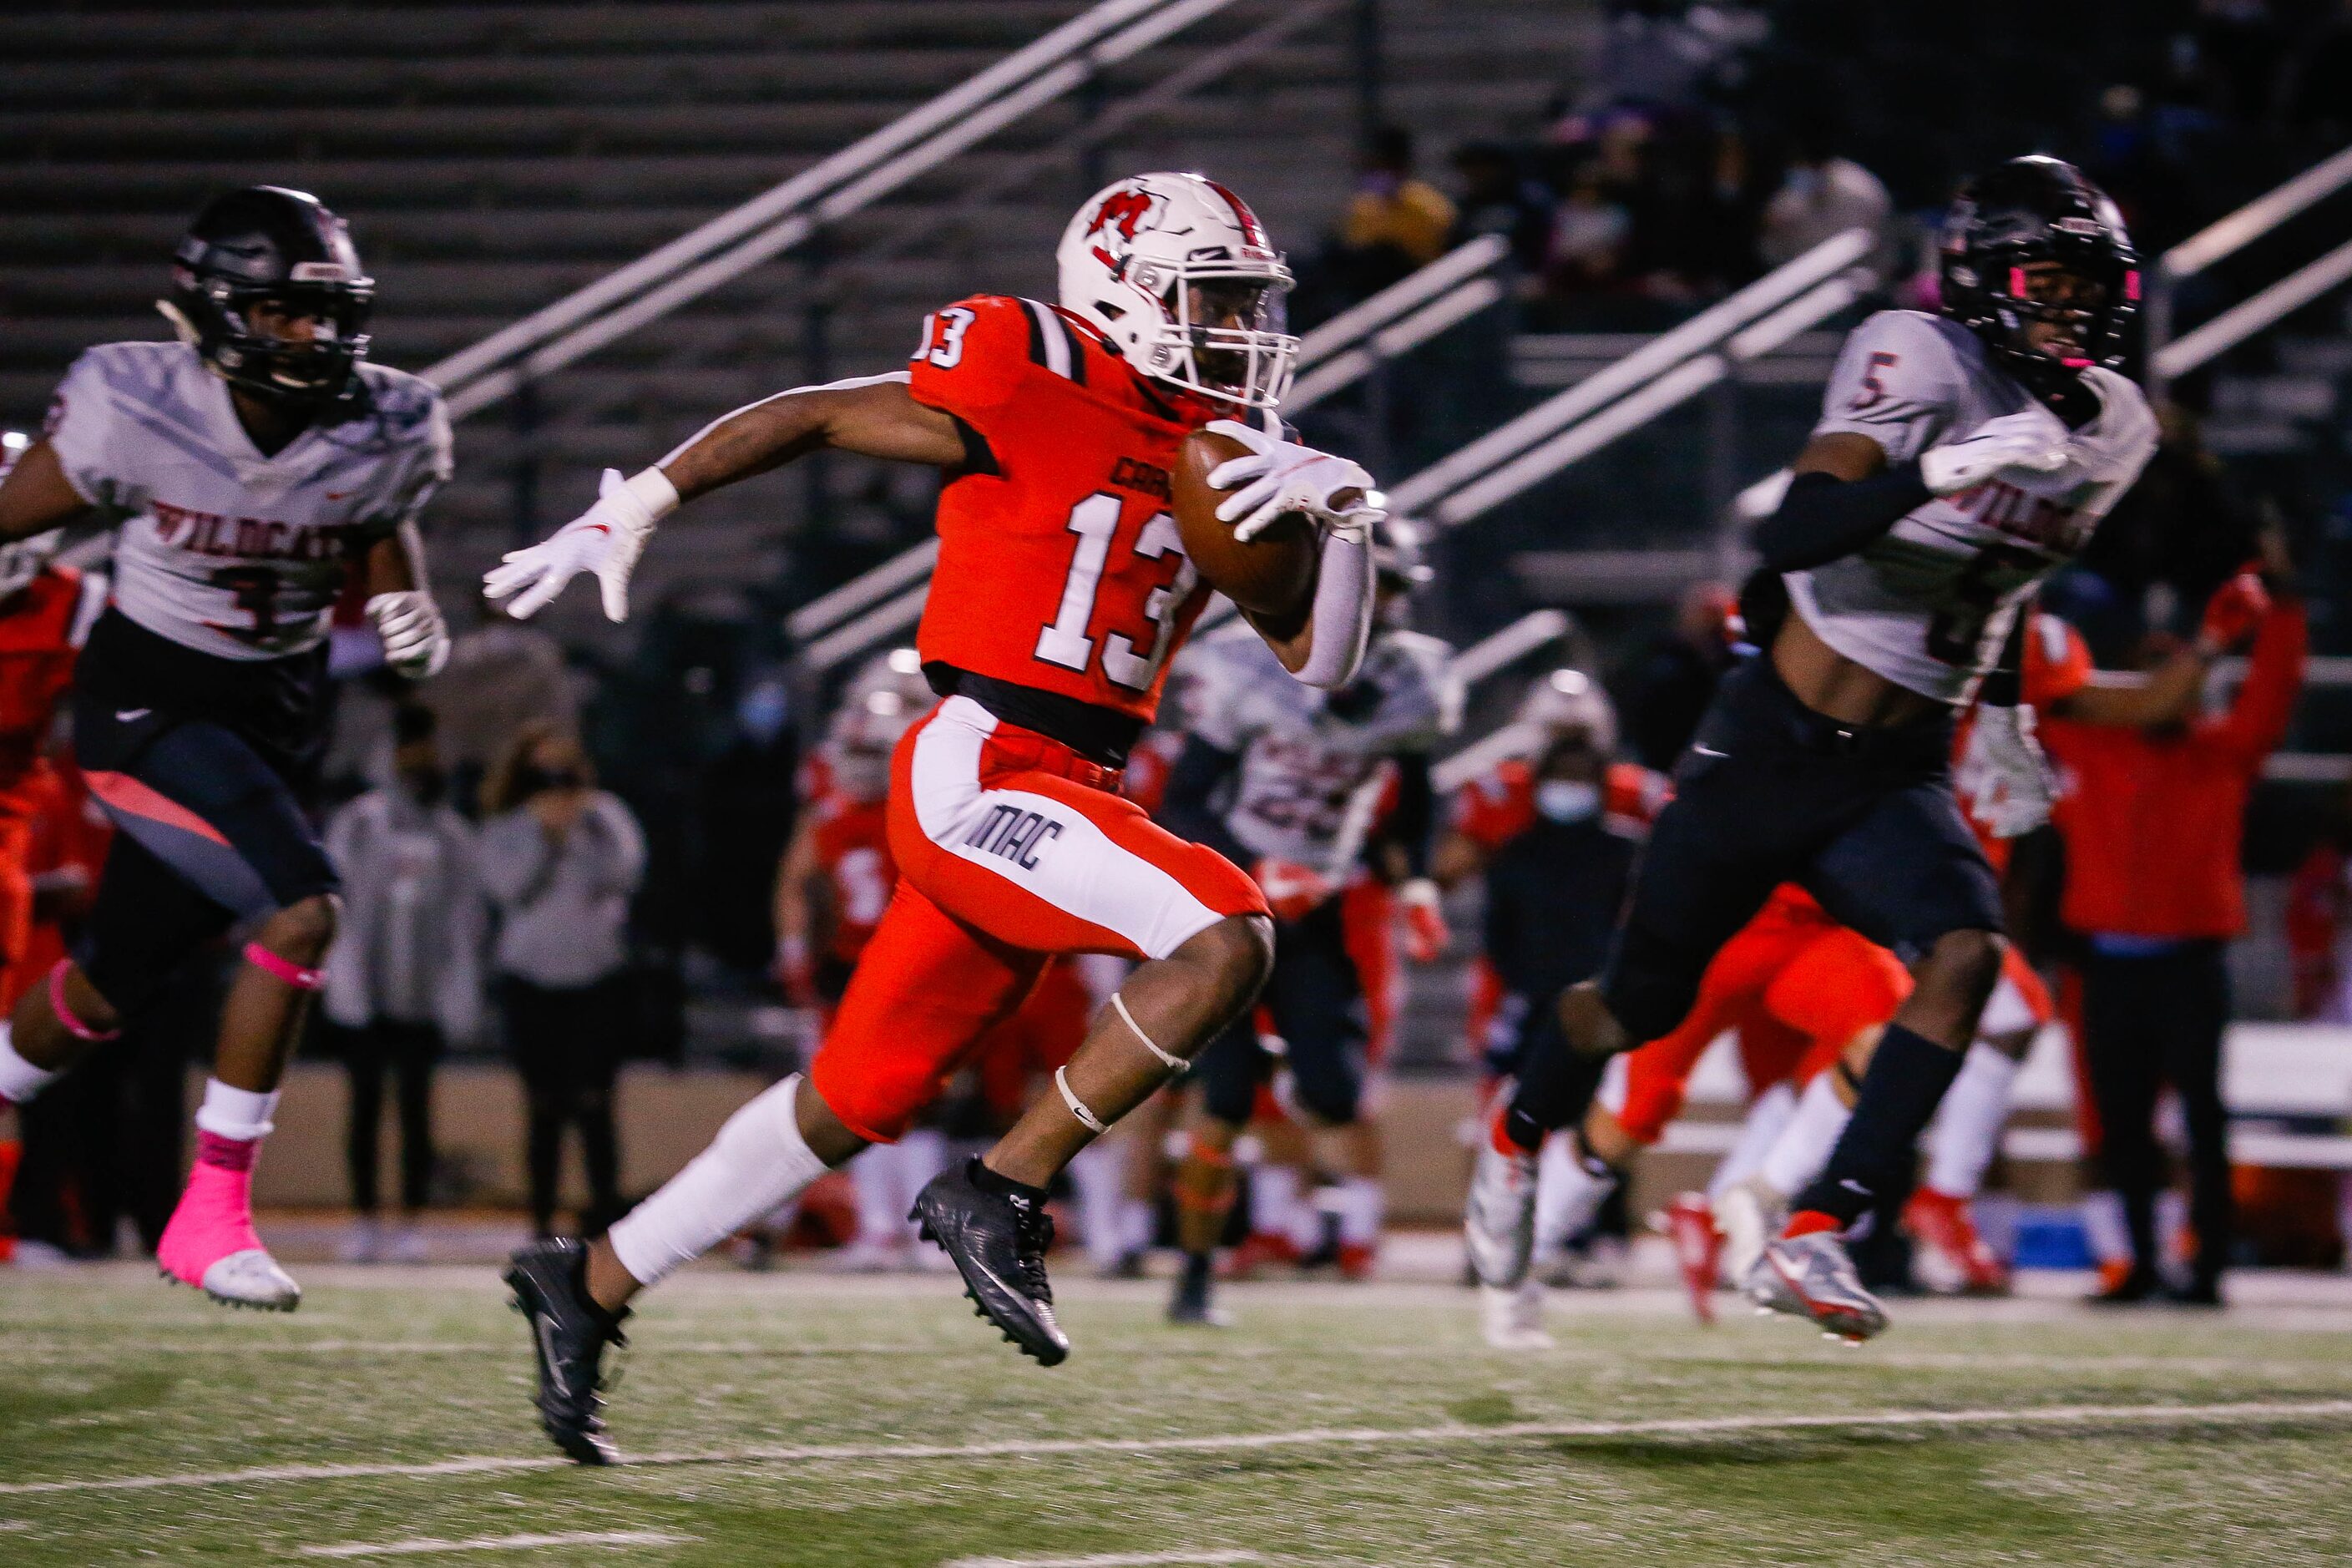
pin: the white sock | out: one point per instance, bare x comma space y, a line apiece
1767, 1118
874, 1176
1099, 1174
2105, 1231
758, 1161
1568, 1192
1360, 1201
922, 1155
242, 1114
1803, 1147
1272, 1195
1968, 1128
20, 1080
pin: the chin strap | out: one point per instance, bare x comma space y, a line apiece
282, 968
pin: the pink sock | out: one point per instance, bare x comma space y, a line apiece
215, 1216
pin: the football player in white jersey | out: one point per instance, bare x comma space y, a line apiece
1289, 781
252, 466
1960, 458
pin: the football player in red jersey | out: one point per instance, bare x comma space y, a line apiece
1061, 589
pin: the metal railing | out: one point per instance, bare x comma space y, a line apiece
884, 601
769, 224
2168, 360
1666, 371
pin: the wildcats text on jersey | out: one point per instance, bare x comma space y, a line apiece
250, 538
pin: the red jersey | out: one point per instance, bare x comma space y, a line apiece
853, 849
2056, 665
1501, 805
1060, 567
2153, 819
38, 627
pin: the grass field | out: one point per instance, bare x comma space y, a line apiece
807, 1420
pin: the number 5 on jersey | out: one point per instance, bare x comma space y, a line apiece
1065, 642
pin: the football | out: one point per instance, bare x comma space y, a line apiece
1270, 576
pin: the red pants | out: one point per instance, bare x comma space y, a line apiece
1796, 986
1010, 848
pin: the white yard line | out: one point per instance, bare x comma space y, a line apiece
1106, 1559
2247, 1412
424, 1545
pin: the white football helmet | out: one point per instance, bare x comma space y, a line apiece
1159, 263
1567, 700
862, 734
22, 559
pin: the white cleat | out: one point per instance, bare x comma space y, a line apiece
252, 1279
1513, 1318
1498, 1221
1749, 1215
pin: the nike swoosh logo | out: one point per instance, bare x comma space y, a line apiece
337, 495
130, 715
1708, 751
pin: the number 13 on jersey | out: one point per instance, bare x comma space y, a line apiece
1066, 641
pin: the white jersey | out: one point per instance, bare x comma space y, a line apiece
223, 550
1928, 604
1310, 779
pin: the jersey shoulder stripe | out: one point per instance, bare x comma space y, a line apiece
1053, 344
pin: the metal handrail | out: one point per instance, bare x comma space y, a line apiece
2243, 320
2224, 237
1637, 369
1577, 442
780, 217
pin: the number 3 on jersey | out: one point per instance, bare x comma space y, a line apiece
1064, 641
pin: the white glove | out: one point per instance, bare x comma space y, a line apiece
2035, 442
1281, 476
606, 539
2003, 776
415, 638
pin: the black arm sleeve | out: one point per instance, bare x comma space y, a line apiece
1823, 517
1189, 809
2003, 684
1412, 826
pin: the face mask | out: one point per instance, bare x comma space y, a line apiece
1565, 800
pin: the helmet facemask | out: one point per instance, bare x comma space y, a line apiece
241, 334
1222, 333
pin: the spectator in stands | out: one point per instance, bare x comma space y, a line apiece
1671, 685
1395, 222
405, 976
1822, 195
2319, 920
502, 676
1590, 232
1497, 199
2156, 992
561, 859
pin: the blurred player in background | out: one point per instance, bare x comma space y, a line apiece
255, 464
1288, 782
2156, 989
1061, 591
1960, 458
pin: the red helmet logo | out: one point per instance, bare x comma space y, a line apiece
1121, 210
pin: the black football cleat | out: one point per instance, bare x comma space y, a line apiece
568, 1335
998, 1241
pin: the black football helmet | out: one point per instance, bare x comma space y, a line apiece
269, 244
2040, 209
